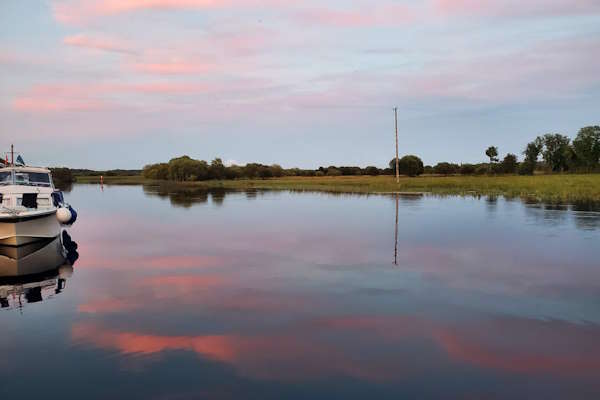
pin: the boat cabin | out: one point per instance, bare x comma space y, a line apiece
26, 187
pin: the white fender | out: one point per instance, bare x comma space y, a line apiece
63, 215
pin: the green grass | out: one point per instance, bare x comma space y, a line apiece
112, 180
547, 188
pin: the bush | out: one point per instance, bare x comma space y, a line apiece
265, 172
586, 147
445, 168
186, 169
411, 165
509, 164
276, 170
251, 170
62, 177
216, 169
319, 173
233, 172
467, 169
332, 171
371, 170
350, 170
526, 168
156, 171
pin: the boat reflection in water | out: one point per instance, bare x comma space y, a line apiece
36, 271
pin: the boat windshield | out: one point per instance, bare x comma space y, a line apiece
32, 178
6, 178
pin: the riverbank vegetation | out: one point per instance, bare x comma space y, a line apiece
553, 188
558, 153
567, 172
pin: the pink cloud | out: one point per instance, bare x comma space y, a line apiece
50, 104
174, 68
389, 15
502, 8
56, 98
547, 70
73, 12
103, 44
60, 98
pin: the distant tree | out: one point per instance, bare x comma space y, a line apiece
573, 161
371, 170
531, 152
293, 172
182, 169
467, 169
586, 147
410, 165
445, 168
264, 171
233, 172
509, 164
201, 170
392, 164
492, 153
556, 151
428, 169
62, 177
251, 170
333, 171
276, 170
350, 171
482, 169
216, 169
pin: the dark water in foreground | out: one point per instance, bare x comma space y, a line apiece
283, 295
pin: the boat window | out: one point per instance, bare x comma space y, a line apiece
5, 178
32, 178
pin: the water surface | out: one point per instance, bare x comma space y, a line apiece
306, 295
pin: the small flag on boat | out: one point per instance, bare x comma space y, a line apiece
20, 161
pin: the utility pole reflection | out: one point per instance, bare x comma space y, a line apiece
396, 235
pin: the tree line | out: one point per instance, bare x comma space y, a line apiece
186, 168
558, 154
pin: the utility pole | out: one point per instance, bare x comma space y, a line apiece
397, 162
12, 155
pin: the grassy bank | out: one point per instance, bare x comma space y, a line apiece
548, 188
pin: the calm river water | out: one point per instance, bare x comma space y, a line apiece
277, 295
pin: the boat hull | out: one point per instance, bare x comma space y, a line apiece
31, 259
24, 229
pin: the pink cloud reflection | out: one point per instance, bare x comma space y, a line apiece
308, 351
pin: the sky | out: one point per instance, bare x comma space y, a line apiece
123, 83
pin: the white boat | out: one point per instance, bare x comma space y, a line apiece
36, 271
31, 208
